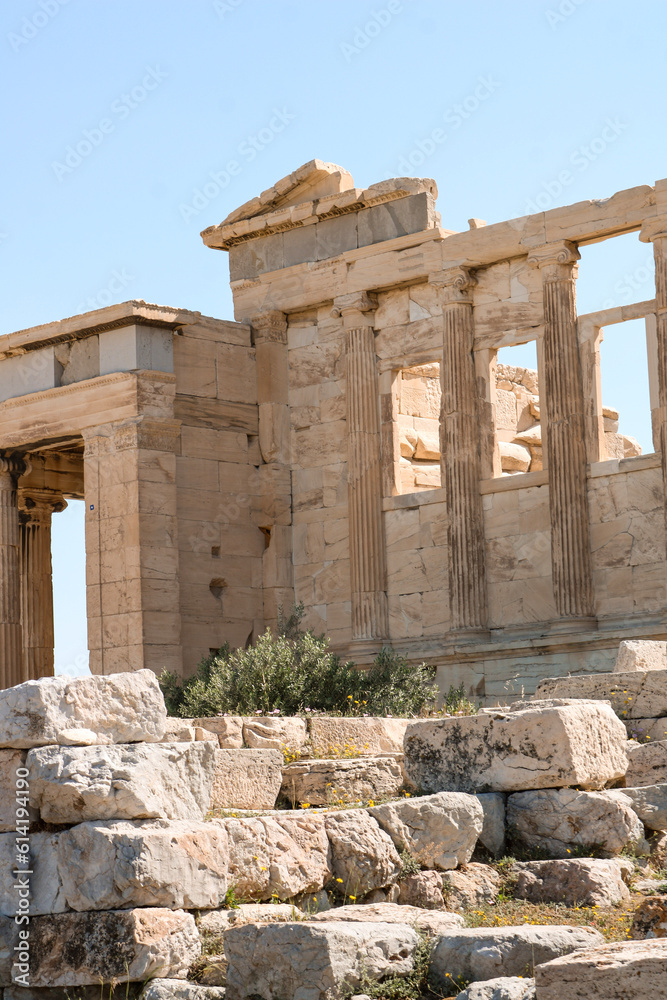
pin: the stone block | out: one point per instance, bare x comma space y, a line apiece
229, 729
514, 457
502, 988
560, 820
648, 801
307, 961
280, 855
427, 921
470, 886
395, 218
374, 735
650, 919
84, 949
641, 654
118, 708
275, 733
623, 970
576, 882
179, 731
440, 831
488, 952
214, 923
10, 760
335, 236
363, 856
543, 747
139, 781
299, 245
647, 764
328, 782
45, 885
636, 694
178, 989
246, 779
493, 830
121, 864
646, 730
422, 889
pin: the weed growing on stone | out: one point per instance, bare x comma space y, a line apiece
457, 703
409, 865
414, 986
614, 922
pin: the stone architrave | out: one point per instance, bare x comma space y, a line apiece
36, 508
11, 640
460, 453
368, 567
565, 409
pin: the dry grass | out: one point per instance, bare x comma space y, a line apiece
612, 922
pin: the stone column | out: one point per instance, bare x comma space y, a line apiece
368, 570
36, 508
460, 439
11, 642
270, 339
655, 232
564, 410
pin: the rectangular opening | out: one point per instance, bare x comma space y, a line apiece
68, 549
518, 431
626, 392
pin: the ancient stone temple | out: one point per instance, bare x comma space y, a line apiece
351, 442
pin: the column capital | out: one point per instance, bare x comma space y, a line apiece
455, 283
14, 463
36, 504
653, 229
558, 258
269, 327
352, 307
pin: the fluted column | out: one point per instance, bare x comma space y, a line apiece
368, 568
11, 643
565, 409
460, 454
36, 508
656, 233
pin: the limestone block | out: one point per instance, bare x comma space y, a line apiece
423, 889
179, 731
363, 855
647, 764
624, 970
576, 882
647, 730
246, 779
493, 831
214, 923
502, 988
544, 747
326, 782
118, 708
281, 855
610, 419
140, 781
46, 889
440, 831
505, 410
558, 820
80, 949
631, 446
407, 441
614, 445
397, 218
514, 457
649, 802
178, 989
275, 733
368, 736
205, 735
428, 446
639, 694
650, 919
428, 921
470, 886
641, 654
10, 760
488, 952
174, 863
307, 961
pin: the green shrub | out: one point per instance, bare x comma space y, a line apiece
295, 672
456, 703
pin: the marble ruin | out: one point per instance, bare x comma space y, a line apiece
349, 441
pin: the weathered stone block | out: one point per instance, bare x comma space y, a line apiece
177, 989
422, 889
325, 782
229, 729
649, 802
395, 218
307, 961
641, 654
335, 236
118, 708
647, 764
80, 949
428, 921
246, 779
363, 855
502, 988
105, 866
10, 760
646, 730
569, 744
576, 882
46, 889
488, 952
142, 781
624, 970
366, 736
637, 694
214, 923
493, 830
470, 886
275, 733
560, 820
440, 831
650, 919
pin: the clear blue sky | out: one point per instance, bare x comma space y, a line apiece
167, 93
